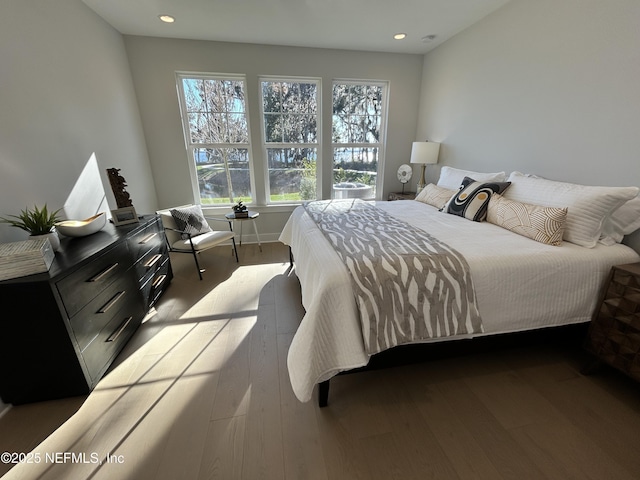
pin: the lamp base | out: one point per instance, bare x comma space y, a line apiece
422, 182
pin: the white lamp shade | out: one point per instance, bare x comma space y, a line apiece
425, 152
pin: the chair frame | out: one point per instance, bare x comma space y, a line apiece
195, 252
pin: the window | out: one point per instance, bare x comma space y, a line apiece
290, 125
214, 117
358, 133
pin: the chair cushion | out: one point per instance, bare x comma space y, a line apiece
190, 220
203, 241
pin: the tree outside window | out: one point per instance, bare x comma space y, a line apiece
357, 137
216, 130
290, 126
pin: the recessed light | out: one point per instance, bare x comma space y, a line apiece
428, 38
167, 18
400, 36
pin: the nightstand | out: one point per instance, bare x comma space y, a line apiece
402, 196
614, 332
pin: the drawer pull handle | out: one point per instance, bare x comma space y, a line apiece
158, 281
112, 302
114, 336
148, 238
153, 260
103, 273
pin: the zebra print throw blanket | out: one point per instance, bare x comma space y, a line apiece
408, 285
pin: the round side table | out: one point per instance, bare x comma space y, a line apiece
252, 216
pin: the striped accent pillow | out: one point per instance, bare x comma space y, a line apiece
472, 199
589, 206
451, 177
542, 224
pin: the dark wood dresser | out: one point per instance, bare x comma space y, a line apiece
61, 330
614, 332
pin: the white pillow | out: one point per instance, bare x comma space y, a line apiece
452, 177
588, 206
623, 221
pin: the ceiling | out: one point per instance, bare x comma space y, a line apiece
342, 24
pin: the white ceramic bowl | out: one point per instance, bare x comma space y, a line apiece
82, 228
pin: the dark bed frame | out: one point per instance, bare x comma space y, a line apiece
571, 337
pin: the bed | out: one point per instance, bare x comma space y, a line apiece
519, 284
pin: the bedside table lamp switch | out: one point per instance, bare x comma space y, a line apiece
424, 153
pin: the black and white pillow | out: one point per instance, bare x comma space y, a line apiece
472, 199
190, 220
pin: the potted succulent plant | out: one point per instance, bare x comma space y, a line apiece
239, 207
39, 221
240, 210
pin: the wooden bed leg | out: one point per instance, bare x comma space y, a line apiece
323, 394
290, 258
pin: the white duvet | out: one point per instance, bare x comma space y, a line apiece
520, 285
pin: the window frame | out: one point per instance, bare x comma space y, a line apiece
191, 147
382, 141
277, 145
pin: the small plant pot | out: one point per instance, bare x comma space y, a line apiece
53, 237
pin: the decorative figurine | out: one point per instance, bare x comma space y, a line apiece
118, 184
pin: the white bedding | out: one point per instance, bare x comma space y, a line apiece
520, 285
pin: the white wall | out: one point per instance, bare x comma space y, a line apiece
550, 87
65, 94
154, 62
544, 86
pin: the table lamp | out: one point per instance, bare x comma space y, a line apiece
424, 153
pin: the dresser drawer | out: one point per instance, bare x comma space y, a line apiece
101, 351
88, 323
83, 285
151, 262
145, 240
155, 285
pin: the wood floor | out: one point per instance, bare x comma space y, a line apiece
202, 391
